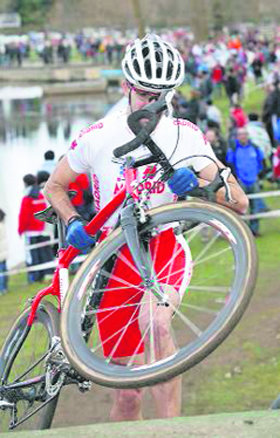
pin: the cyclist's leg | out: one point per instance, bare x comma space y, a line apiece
127, 403
172, 264
159, 343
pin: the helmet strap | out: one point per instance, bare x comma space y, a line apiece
129, 100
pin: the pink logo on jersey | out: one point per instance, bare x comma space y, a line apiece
91, 128
153, 187
184, 122
74, 144
150, 172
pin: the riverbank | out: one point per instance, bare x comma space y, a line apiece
60, 79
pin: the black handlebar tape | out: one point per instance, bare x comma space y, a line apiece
157, 154
142, 132
152, 113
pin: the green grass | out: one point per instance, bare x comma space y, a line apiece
15, 301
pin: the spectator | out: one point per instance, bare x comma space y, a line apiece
49, 163
193, 108
42, 178
218, 144
271, 114
257, 66
258, 135
206, 85
213, 113
217, 79
246, 161
276, 165
232, 86
3, 255
33, 229
180, 105
238, 116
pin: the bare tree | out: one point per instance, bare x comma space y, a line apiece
199, 18
138, 17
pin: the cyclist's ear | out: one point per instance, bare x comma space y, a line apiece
125, 88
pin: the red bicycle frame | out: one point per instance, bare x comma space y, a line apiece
66, 256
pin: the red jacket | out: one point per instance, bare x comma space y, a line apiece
80, 184
30, 204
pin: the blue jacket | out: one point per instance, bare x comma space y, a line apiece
246, 161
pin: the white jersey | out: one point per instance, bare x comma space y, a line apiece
92, 153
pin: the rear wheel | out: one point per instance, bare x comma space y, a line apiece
16, 404
221, 273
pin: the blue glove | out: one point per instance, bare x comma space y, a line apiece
183, 180
77, 236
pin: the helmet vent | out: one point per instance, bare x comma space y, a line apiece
145, 52
148, 68
178, 72
158, 56
169, 69
159, 72
136, 66
170, 54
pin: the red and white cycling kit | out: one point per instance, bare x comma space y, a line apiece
92, 153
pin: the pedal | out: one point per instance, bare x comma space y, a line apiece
85, 386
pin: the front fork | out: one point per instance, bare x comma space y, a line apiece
129, 224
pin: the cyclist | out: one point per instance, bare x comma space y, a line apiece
150, 66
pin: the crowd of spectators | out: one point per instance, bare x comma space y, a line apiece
248, 143
223, 59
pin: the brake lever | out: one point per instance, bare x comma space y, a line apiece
224, 175
208, 192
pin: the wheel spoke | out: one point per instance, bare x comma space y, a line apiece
212, 256
215, 289
199, 308
206, 248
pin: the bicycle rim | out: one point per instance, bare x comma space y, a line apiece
222, 278
35, 346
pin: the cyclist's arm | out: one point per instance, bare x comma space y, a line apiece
57, 187
242, 203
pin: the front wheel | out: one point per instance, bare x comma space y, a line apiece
16, 404
208, 264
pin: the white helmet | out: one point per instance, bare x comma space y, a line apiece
153, 64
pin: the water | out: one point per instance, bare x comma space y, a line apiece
28, 128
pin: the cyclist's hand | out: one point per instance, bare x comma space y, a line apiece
77, 236
183, 180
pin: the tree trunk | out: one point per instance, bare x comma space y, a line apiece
138, 18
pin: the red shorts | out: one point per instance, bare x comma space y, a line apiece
118, 328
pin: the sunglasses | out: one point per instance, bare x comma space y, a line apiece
143, 94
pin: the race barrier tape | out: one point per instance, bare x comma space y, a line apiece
41, 245
41, 266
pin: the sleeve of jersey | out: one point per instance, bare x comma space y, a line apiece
78, 156
202, 148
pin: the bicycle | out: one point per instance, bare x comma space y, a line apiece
221, 278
